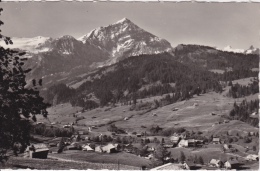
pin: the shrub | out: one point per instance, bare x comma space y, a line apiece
247, 140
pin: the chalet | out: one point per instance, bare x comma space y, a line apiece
232, 164
252, 133
226, 147
98, 149
37, 151
150, 149
138, 135
81, 132
251, 157
126, 118
110, 148
175, 139
183, 143
173, 166
216, 163
216, 140
199, 142
66, 126
87, 148
212, 113
191, 143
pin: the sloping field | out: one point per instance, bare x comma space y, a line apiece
195, 114
234, 125
244, 81
113, 158
47, 164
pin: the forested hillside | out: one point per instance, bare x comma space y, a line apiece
244, 111
211, 58
138, 77
183, 73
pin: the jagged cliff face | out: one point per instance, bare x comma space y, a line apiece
124, 39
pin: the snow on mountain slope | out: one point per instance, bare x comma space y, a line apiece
230, 49
124, 39
250, 50
31, 45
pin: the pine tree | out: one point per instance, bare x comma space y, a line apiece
182, 157
161, 153
201, 160
18, 104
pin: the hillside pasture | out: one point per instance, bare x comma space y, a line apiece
244, 81
50, 164
113, 158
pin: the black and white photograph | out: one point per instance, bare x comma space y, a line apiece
117, 85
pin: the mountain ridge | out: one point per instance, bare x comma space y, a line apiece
124, 39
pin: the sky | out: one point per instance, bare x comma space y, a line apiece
212, 24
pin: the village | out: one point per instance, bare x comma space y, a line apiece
172, 152
158, 139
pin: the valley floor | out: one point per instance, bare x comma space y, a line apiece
205, 113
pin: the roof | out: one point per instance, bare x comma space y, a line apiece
183, 141
97, 148
191, 140
174, 138
87, 147
38, 147
215, 139
234, 161
214, 161
109, 146
169, 166
41, 150
80, 132
252, 155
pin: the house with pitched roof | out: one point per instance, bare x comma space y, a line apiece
183, 143
216, 140
216, 163
110, 148
87, 148
39, 151
232, 164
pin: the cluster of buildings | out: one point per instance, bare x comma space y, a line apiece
182, 141
228, 164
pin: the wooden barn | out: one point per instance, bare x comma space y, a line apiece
39, 151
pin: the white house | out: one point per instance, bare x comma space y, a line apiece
216, 163
252, 157
183, 143
87, 148
231, 164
